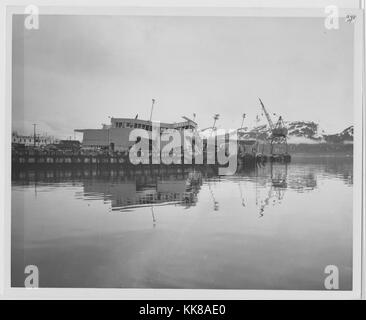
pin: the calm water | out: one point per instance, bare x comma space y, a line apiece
273, 227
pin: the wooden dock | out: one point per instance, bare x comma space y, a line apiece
59, 159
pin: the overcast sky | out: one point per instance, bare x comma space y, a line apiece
75, 71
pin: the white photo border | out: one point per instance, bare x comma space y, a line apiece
7, 292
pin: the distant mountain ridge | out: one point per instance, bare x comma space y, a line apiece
346, 136
307, 132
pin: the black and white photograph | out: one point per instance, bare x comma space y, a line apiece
186, 149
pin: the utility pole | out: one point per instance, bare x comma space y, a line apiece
242, 121
109, 135
152, 108
34, 134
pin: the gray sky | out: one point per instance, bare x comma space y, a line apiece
75, 71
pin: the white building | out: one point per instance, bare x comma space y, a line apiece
116, 135
29, 140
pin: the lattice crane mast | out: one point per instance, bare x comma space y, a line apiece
271, 126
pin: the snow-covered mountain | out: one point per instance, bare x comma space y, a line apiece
346, 136
307, 132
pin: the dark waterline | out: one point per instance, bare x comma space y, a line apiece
271, 227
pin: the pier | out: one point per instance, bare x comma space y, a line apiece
64, 159
41, 160
33, 157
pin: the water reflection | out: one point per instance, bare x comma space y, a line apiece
266, 227
130, 189
128, 194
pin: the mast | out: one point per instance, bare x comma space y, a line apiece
34, 134
242, 121
152, 108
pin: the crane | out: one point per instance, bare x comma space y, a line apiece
215, 117
278, 132
271, 126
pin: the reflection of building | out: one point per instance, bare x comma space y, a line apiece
116, 135
148, 186
125, 195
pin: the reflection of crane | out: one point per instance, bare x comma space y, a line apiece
241, 195
276, 191
153, 216
278, 132
265, 202
279, 181
216, 203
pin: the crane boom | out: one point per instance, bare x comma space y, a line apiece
267, 115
